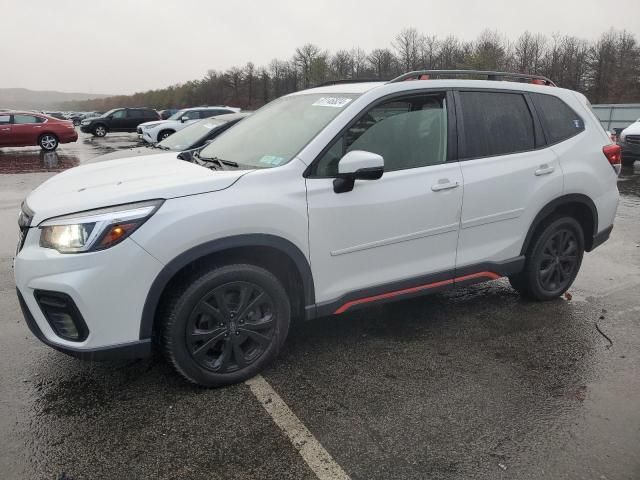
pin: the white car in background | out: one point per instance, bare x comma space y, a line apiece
156, 131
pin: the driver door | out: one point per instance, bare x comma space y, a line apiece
119, 120
392, 236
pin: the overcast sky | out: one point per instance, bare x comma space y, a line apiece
124, 46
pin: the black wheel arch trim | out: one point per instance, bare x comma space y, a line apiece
215, 246
558, 202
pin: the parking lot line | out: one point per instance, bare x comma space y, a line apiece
318, 459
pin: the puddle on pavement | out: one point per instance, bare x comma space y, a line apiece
33, 159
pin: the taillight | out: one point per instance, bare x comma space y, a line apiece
614, 155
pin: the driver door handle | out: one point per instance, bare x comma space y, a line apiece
444, 184
544, 170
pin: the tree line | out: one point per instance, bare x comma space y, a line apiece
606, 70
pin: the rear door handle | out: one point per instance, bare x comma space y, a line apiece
444, 184
544, 170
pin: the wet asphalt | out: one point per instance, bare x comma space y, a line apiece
474, 383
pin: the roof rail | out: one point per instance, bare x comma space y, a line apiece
491, 75
348, 80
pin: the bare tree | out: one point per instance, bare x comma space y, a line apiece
383, 63
407, 47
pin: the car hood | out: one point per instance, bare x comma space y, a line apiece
153, 123
122, 181
633, 129
129, 153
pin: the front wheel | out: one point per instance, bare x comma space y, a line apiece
225, 325
165, 134
100, 131
48, 142
552, 261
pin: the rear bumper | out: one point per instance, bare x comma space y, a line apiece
70, 138
133, 350
601, 237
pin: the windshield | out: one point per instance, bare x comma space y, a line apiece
177, 115
278, 131
184, 139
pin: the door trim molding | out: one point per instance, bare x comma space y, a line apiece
452, 227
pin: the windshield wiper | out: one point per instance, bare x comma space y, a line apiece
219, 161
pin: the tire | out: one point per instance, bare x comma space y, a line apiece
76, 123
552, 260
164, 134
99, 130
48, 142
210, 338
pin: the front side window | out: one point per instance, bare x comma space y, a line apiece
24, 119
119, 114
4, 119
495, 123
278, 131
558, 119
408, 133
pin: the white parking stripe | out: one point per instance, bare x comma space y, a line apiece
318, 459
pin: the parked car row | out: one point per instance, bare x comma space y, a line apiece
186, 143
156, 131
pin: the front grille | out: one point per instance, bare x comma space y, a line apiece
62, 314
635, 139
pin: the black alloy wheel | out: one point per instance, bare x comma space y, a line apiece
231, 327
559, 261
224, 324
552, 260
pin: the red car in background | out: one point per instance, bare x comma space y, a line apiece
23, 129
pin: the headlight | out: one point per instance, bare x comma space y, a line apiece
85, 122
95, 229
623, 137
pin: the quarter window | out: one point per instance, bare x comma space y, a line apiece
23, 119
558, 119
495, 123
408, 133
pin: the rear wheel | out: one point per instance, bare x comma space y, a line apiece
48, 142
225, 325
552, 261
100, 131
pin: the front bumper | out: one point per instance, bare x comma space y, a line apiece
133, 350
148, 137
86, 128
630, 148
108, 288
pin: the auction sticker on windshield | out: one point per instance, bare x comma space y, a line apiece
336, 102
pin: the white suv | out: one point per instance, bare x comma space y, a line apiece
322, 202
158, 130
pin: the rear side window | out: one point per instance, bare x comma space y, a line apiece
22, 119
558, 119
495, 124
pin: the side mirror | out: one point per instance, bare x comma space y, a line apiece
357, 165
184, 118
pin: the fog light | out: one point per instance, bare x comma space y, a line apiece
62, 314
